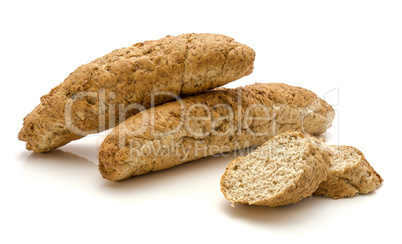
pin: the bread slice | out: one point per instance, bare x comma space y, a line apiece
349, 174
284, 170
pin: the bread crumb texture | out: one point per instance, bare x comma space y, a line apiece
349, 174
284, 170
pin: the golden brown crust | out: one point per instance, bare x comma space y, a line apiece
182, 65
314, 171
351, 178
288, 108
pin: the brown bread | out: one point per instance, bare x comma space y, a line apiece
168, 135
99, 95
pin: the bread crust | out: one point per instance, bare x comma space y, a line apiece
352, 179
287, 108
181, 65
314, 171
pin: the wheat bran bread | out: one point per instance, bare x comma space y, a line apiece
349, 174
166, 135
284, 170
96, 94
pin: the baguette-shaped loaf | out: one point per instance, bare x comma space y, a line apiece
349, 174
214, 122
287, 168
102, 93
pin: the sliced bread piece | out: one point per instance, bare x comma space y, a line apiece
349, 174
284, 170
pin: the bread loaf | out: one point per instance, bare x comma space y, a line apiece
284, 170
349, 174
214, 122
106, 91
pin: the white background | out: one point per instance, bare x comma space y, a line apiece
349, 52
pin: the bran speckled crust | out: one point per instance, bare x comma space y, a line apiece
349, 174
287, 168
100, 94
167, 135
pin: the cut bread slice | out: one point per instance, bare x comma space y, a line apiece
284, 170
349, 174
